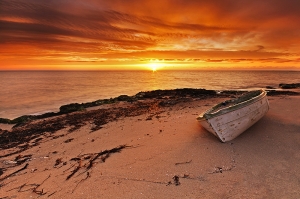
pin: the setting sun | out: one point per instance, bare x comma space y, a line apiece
154, 66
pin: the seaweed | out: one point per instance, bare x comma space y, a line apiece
87, 161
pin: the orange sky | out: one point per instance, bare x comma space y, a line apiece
140, 34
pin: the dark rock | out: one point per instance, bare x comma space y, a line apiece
26, 118
289, 86
274, 93
194, 92
46, 115
124, 98
23, 119
231, 92
5, 121
68, 140
71, 108
182, 92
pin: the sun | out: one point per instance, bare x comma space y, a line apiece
154, 66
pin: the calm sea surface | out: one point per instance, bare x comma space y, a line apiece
36, 92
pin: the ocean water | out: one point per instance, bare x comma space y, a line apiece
37, 92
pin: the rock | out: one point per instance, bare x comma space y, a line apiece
23, 119
5, 121
124, 98
289, 86
274, 93
182, 92
71, 108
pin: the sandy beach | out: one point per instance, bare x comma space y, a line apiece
152, 148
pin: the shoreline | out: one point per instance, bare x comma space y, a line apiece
77, 114
286, 89
49, 96
153, 148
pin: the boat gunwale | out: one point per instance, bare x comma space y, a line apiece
207, 115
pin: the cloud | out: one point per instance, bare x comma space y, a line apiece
215, 31
259, 48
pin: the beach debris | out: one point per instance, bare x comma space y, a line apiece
20, 159
33, 170
185, 176
176, 180
187, 162
149, 118
87, 161
217, 170
221, 169
74, 171
33, 187
87, 176
57, 162
9, 162
95, 128
57, 136
68, 140
52, 194
13, 173
2, 171
76, 127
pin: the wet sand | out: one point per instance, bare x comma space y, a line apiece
150, 149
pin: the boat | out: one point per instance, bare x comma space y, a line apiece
229, 119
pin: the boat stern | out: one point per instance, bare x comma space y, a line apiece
229, 122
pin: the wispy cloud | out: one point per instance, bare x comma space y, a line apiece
212, 31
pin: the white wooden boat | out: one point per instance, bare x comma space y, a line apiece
229, 119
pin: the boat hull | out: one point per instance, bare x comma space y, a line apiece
231, 124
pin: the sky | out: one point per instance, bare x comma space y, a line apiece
147, 34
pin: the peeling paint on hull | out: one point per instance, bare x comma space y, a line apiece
229, 122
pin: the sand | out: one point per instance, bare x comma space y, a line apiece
160, 153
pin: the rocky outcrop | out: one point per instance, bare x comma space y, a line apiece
275, 93
71, 108
183, 92
289, 86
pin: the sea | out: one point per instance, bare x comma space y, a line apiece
38, 92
